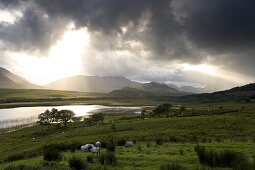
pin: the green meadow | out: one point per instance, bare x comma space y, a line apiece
178, 136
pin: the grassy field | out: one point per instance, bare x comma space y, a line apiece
30, 97
229, 131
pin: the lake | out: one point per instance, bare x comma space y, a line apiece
27, 115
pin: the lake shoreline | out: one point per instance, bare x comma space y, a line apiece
40, 104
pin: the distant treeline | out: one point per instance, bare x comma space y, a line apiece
16, 100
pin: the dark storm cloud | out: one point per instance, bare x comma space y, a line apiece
169, 30
220, 24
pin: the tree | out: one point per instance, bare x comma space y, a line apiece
44, 118
65, 116
88, 121
143, 113
77, 119
96, 117
182, 108
162, 109
54, 115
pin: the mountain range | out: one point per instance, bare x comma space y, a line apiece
148, 89
118, 86
92, 84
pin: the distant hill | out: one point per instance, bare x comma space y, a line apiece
191, 89
92, 84
148, 89
10, 80
244, 93
248, 87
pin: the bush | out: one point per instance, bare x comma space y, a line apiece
173, 166
139, 147
110, 146
225, 158
14, 157
148, 144
20, 167
90, 159
113, 127
181, 151
121, 142
23, 155
159, 141
52, 155
108, 158
77, 163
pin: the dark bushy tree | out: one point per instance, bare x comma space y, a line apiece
65, 116
55, 116
162, 109
96, 117
44, 118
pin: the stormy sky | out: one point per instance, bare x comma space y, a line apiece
183, 42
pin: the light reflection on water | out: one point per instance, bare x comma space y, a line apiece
27, 115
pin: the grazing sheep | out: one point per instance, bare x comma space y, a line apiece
129, 144
97, 143
95, 150
87, 146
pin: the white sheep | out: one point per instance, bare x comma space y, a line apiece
129, 143
97, 143
87, 146
95, 150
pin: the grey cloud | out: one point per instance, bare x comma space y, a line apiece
169, 30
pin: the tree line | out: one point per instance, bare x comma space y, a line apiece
55, 116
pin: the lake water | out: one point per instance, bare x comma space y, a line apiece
27, 115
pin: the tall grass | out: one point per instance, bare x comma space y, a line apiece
226, 158
78, 163
172, 166
108, 158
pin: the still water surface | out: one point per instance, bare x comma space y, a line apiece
23, 115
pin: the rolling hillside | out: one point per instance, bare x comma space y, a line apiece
148, 89
92, 84
10, 80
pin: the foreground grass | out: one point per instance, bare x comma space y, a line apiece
230, 131
140, 156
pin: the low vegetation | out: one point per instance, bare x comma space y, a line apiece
222, 139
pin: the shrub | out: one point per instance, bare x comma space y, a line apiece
103, 144
181, 151
14, 157
90, 159
113, 127
225, 158
20, 167
173, 166
52, 155
159, 141
173, 139
139, 147
23, 155
110, 147
148, 144
77, 163
108, 158
96, 117
121, 142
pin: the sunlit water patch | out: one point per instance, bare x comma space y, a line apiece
27, 116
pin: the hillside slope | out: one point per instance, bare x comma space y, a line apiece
148, 89
92, 84
10, 80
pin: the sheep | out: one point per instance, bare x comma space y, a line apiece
87, 146
95, 150
129, 144
97, 143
